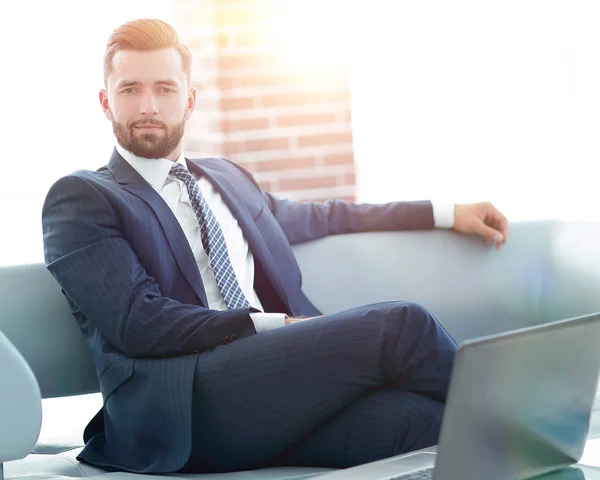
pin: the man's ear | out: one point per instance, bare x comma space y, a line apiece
103, 97
191, 103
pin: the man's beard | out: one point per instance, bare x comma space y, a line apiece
148, 145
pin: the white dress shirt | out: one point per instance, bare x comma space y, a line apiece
174, 193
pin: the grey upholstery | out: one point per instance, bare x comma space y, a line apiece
20, 407
548, 270
65, 466
36, 318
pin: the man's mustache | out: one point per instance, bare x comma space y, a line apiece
158, 123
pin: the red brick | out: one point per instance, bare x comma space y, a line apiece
324, 139
258, 145
307, 183
339, 159
266, 185
250, 166
237, 103
262, 80
217, 126
289, 99
246, 124
347, 179
285, 164
306, 119
225, 84
254, 60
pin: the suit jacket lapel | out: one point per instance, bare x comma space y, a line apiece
132, 181
238, 208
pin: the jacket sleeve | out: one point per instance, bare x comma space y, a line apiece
304, 221
102, 278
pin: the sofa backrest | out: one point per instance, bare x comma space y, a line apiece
471, 288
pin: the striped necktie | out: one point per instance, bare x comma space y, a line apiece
213, 241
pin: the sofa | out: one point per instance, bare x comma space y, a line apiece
548, 270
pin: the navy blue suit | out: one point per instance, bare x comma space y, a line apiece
130, 277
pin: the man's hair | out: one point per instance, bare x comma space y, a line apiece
145, 34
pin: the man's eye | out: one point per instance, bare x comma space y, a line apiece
166, 90
129, 90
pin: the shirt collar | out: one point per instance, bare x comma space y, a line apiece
153, 170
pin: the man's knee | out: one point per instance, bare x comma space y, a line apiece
413, 320
413, 309
411, 314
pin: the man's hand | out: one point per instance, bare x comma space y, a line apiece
290, 320
482, 219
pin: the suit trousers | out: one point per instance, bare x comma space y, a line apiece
333, 391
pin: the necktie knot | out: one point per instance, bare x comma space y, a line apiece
180, 172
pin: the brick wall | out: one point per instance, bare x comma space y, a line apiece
260, 106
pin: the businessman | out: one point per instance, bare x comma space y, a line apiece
180, 274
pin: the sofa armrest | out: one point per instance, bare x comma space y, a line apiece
20, 404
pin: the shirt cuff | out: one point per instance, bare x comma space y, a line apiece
443, 215
267, 321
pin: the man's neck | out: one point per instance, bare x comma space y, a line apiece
174, 155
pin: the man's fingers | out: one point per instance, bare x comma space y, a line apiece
497, 221
504, 228
490, 234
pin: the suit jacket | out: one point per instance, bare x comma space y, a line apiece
131, 280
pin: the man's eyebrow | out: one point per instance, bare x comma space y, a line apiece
128, 83
170, 83
134, 83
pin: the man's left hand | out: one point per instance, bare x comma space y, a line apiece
482, 219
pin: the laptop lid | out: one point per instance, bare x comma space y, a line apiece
520, 402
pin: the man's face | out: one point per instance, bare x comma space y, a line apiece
148, 101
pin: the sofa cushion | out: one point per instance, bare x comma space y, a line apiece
65, 466
57, 445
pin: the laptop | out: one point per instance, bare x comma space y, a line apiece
518, 407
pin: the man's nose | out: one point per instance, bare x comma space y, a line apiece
148, 104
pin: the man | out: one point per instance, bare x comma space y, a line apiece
181, 277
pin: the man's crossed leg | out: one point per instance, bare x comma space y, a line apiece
337, 391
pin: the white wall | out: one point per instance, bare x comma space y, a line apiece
52, 123
474, 100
